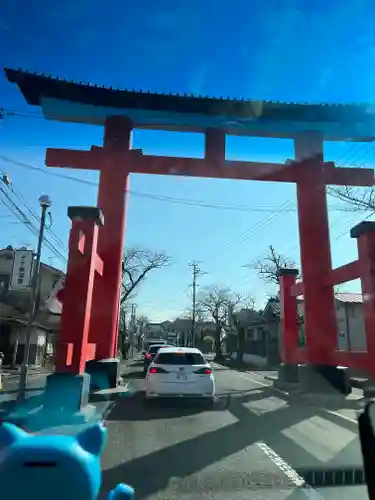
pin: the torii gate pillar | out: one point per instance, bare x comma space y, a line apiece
113, 186
319, 300
320, 373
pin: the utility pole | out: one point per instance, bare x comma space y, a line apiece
45, 203
132, 328
196, 272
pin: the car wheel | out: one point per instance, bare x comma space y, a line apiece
147, 401
209, 403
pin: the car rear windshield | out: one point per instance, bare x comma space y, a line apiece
174, 358
154, 349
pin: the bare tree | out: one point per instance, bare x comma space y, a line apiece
137, 264
215, 301
249, 303
240, 319
361, 199
141, 323
200, 314
269, 265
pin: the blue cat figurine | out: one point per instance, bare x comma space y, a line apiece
58, 467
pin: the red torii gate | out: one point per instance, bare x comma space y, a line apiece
115, 161
292, 354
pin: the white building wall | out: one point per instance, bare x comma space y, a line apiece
351, 327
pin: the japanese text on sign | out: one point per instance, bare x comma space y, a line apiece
21, 273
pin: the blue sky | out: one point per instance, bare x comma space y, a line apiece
246, 48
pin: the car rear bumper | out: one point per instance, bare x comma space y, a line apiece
203, 397
173, 390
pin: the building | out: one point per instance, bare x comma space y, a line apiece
169, 333
181, 330
14, 307
263, 330
350, 322
260, 330
153, 331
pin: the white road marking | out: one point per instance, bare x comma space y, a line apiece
290, 473
341, 416
344, 417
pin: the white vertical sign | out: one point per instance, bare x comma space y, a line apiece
22, 268
52, 303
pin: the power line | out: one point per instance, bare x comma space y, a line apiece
352, 151
261, 224
249, 232
23, 201
275, 212
7, 113
18, 212
20, 198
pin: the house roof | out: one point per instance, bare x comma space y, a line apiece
145, 108
153, 325
246, 316
9, 250
274, 307
349, 298
352, 298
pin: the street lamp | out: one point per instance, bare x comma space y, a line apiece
45, 203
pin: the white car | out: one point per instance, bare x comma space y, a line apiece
180, 372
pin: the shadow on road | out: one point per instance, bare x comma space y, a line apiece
153, 472
333, 402
134, 408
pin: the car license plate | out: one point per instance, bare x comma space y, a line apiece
181, 376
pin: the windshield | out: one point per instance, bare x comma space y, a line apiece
197, 173
179, 359
154, 349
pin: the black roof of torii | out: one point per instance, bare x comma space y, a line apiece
36, 86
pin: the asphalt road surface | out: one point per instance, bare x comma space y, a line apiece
255, 443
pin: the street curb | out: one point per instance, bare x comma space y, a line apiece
355, 383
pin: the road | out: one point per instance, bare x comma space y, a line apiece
256, 443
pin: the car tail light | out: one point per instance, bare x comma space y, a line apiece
156, 369
148, 356
204, 371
